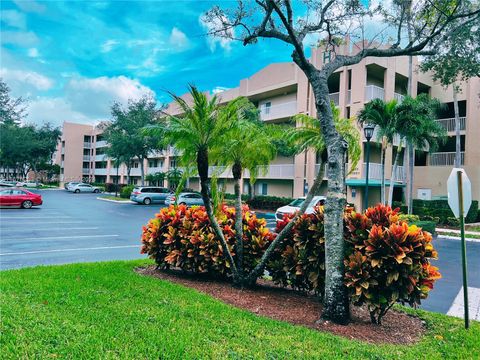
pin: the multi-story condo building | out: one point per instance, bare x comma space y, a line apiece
281, 90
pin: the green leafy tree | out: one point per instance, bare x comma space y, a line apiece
382, 115
12, 110
434, 22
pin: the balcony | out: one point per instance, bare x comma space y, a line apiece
398, 97
63, 151
349, 96
375, 172
445, 159
87, 145
449, 124
154, 170
335, 97
85, 171
279, 111
101, 171
284, 171
101, 143
374, 92
86, 157
135, 171
101, 157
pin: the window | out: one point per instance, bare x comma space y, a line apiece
18, 192
263, 188
153, 163
146, 190
173, 163
266, 107
87, 138
327, 57
5, 192
135, 165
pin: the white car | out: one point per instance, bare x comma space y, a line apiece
81, 187
295, 205
185, 198
29, 184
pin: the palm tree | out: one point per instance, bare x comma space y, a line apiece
416, 124
382, 115
246, 145
173, 176
195, 133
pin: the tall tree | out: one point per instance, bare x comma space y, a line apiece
382, 115
456, 61
12, 110
278, 19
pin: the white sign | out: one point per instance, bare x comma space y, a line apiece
452, 188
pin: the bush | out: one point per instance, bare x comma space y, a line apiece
126, 191
408, 218
426, 225
182, 237
111, 188
453, 221
268, 202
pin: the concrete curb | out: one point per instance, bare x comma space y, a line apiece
447, 237
116, 201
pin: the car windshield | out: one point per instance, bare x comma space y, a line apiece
297, 202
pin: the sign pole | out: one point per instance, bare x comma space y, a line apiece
464, 248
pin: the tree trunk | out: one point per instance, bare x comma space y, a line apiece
411, 164
202, 166
458, 161
394, 171
382, 161
142, 172
237, 176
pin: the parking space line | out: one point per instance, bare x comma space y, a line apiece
34, 217
51, 222
65, 237
75, 249
49, 229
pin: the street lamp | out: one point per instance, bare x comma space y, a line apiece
368, 132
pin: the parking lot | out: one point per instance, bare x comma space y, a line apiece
70, 228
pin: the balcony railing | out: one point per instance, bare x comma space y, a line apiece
374, 92
398, 97
449, 124
86, 157
101, 143
375, 172
335, 97
279, 111
85, 171
445, 158
101, 171
156, 169
87, 145
349, 96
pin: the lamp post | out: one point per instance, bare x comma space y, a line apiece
368, 132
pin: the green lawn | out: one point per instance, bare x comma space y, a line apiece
117, 198
106, 310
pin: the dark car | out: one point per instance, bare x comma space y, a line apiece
19, 197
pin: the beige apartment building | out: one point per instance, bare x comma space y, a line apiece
280, 91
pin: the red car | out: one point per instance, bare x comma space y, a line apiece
19, 197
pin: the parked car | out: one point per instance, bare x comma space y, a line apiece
6, 184
71, 183
19, 197
29, 184
150, 194
295, 205
81, 187
186, 198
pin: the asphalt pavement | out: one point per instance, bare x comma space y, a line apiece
71, 228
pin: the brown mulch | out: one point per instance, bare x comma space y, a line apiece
300, 309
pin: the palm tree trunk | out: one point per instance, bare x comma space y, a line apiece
411, 164
202, 166
142, 172
394, 171
382, 161
458, 162
237, 175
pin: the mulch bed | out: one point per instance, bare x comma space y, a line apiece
299, 309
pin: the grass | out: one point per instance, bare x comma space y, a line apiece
472, 227
117, 198
106, 310
470, 236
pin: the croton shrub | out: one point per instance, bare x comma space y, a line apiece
182, 237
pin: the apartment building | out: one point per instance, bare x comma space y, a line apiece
281, 90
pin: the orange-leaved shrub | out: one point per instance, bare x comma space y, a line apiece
182, 237
299, 261
388, 261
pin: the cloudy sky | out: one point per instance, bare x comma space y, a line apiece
72, 59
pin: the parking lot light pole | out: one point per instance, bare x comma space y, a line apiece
368, 132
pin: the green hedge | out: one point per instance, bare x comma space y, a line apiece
126, 191
439, 211
425, 225
268, 202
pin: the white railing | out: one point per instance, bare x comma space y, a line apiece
286, 171
374, 92
101, 143
101, 157
279, 111
153, 170
449, 124
349, 96
400, 175
62, 164
85, 171
375, 171
445, 158
101, 171
86, 157
135, 171
63, 151
398, 97
87, 145
335, 97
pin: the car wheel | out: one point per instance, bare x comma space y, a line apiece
96, 191
183, 203
27, 204
147, 201
76, 191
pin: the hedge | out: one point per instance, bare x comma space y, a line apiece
439, 211
268, 202
111, 188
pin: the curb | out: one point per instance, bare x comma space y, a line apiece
116, 201
448, 237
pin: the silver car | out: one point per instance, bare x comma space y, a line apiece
150, 194
81, 187
186, 198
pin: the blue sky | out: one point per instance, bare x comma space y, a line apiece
72, 59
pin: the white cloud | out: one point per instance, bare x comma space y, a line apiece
108, 45
178, 38
33, 52
54, 111
19, 38
94, 97
14, 19
148, 67
30, 6
24, 81
223, 42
